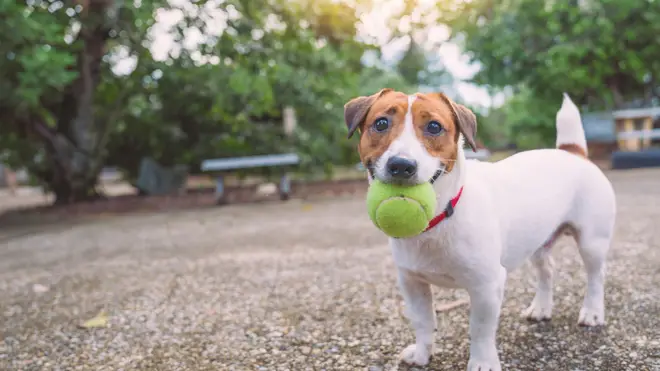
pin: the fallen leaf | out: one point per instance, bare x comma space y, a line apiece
307, 207
101, 320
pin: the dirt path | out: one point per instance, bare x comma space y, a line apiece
296, 286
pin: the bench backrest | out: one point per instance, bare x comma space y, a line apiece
234, 163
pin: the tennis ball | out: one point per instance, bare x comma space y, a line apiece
401, 211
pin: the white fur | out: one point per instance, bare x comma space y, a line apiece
507, 213
569, 124
407, 145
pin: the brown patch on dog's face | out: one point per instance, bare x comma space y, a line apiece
430, 137
464, 120
429, 111
375, 138
356, 110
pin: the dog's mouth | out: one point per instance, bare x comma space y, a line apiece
385, 177
371, 169
401, 182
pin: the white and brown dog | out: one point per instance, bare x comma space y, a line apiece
496, 215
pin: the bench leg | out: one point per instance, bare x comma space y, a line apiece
220, 196
285, 187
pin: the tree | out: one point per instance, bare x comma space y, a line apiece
67, 109
420, 64
601, 52
225, 96
54, 55
93, 93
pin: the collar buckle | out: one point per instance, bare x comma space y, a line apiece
449, 210
436, 175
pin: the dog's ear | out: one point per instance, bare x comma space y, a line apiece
355, 110
465, 119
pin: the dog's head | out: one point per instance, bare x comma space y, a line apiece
407, 139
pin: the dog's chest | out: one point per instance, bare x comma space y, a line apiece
437, 279
429, 261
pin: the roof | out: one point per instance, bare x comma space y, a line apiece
635, 113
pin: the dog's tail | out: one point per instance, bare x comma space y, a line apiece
570, 134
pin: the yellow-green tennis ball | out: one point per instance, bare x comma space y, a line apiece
401, 211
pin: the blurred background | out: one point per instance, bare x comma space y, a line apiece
93, 91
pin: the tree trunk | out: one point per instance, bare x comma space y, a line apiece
617, 97
75, 148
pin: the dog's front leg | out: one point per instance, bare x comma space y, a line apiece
485, 305
419, 310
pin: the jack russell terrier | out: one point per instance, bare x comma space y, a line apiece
496, 215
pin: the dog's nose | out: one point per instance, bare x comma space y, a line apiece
401, 168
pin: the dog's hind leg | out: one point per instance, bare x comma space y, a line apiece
593, 250
541, 306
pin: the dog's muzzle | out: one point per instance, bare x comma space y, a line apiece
402, 169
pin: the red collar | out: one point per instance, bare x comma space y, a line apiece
447, 212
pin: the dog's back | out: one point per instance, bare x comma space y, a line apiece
542, 190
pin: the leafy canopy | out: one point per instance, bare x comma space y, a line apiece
602, 53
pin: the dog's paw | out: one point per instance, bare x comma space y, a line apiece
538, 311
416, 355
479, 365
591, 317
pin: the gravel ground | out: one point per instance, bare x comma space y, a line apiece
296, 286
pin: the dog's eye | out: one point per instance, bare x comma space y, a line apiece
434, 128
381, 124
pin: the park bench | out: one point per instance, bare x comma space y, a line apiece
220, 166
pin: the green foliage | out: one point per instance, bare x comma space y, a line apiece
221, 98
36, 59
601, 52
34, 64
530, 121
412, 64
52, 54
419, 68
420, 65
183, 111
68, 107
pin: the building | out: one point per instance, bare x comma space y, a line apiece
629, 130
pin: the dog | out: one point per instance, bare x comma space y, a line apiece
493, 216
